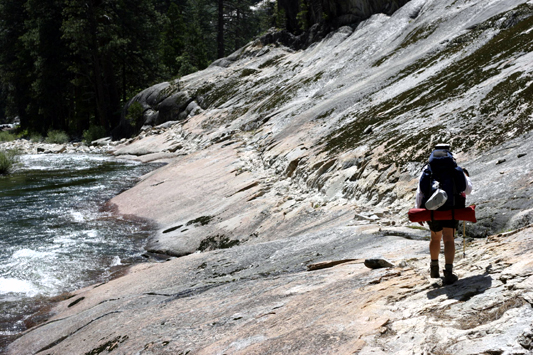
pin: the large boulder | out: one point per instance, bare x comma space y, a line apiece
153, 106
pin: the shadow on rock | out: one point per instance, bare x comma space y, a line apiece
463, 289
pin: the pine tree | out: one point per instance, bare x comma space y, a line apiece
242, 24
116, 46
172, 39
72, 64
200, 46
49, 53
15, 61
3, 104
220, 28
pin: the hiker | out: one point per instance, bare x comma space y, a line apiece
442, 179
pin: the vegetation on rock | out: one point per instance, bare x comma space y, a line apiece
7, 159
56, 137
6, 136
93, 133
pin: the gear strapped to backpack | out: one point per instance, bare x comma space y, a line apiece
438, 198
441, 184
442, 181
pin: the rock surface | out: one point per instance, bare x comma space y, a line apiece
354, 117
280, 160
258, 299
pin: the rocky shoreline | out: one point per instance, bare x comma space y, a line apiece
260, 298
241, 283
24, 146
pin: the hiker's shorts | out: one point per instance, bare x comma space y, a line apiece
436, 226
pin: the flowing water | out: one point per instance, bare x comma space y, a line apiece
55, 235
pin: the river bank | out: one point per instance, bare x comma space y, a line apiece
25, 146
56, 234
259, 298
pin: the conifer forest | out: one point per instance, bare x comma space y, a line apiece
71, 65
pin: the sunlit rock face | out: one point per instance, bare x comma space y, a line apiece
355, 116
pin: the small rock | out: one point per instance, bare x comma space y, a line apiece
166, 125
102, 141
521, 155
327, 264
377, 263
175, 147
388, 222
501, 161
371, 217
193, 108
368, 130
263, 51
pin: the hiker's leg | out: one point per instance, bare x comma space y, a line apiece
449, 254
449, 245
434, 245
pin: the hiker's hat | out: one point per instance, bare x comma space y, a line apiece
443, 146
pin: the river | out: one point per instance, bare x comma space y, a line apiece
55, 234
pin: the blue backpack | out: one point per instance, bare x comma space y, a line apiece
443, 168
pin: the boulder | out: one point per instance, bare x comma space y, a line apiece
102, 141
377, 263
328, 264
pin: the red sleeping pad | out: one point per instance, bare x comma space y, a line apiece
460, 214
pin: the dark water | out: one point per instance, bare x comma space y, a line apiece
55, 236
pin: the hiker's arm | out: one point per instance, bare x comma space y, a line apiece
419, 193
468, 189
419, 197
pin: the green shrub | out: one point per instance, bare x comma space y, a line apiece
21, 133
279, 17
94, 133
186, 67
7, 136
57, 137
301, 17
135, 113
7, 159
36, 138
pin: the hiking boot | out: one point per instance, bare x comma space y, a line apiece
449, 277
435, 272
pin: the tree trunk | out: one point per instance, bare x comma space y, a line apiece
220, 30
237, 29
101, 97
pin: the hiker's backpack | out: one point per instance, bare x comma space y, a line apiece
443, 168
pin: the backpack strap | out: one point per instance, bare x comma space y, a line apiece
453, 198
454, 189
